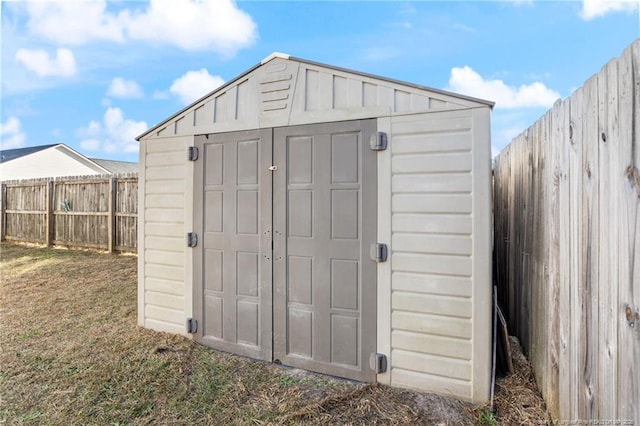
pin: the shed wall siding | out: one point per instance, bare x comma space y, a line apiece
432, 252
165, 203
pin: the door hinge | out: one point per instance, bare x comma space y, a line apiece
192, 153
378, 362
378, 141
378, 252
192, 325
192, 239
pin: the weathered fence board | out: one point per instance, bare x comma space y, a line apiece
567, 235
96, 212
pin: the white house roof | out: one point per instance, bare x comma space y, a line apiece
55, 160
11, 154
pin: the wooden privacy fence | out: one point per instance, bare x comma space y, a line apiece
567, 245
89, 211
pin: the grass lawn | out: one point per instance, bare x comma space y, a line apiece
71, 353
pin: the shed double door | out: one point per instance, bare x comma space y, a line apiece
283, 272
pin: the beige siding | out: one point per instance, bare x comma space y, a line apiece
162, 249
434, 343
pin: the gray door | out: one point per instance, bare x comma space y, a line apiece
233, 261
324, 212
305, 293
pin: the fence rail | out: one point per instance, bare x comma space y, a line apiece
88, 211
567, 241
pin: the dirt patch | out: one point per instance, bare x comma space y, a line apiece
73, 354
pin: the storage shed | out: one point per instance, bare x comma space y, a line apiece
326, 219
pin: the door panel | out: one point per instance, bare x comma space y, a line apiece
304, 294
324, 222
232, 271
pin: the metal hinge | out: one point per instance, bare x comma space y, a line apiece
378, 362
192, 153
192, 325
192, 239
378, 252
378, 141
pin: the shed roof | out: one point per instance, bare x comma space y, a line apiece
330, 69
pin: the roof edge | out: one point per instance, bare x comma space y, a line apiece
490, 104
81, 156
275, 55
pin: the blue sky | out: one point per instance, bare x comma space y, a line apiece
95, 74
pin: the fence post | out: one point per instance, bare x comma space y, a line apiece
3, 209
111, 224
50, 207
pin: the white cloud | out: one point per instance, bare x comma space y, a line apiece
522, 2
160, 95
11, 134
194, 85
40, 62
594, 8
195, 25
75, 22
114, 134
90, 144
468, 82
121, 88
217, 25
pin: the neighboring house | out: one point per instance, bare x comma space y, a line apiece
54, 161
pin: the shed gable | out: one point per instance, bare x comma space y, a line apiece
284, 91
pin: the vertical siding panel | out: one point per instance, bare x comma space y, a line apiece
325, 95
419, 102
402, 101
354, 93
340, 94
243, 101
198, 116
385, 97
369, 94
312, 90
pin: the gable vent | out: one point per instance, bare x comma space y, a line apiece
275, 91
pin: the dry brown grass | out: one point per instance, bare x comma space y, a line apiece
71, 353
518, 400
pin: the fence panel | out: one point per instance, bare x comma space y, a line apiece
567, 236
88, 211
